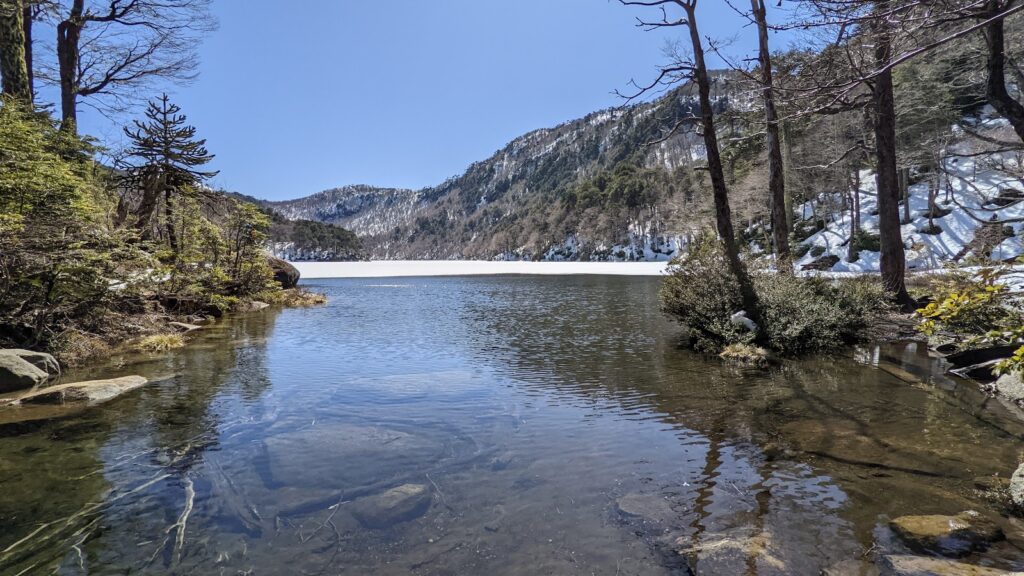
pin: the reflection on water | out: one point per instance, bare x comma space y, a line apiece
536, 425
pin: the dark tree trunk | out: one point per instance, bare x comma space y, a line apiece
172, 235
147, 206
893, 258
12, 51
998, 96
776, 175
69, 35
723, 213
904, 175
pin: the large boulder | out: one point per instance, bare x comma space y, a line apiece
947, 535
41, 360
91, 392
399, 504
284, 273
16, 373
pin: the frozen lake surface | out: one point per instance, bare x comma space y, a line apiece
394, 268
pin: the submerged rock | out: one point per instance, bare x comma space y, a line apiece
16, 373
184, 327
947, 535
904, 565
92, 392
731, 554
647, 506
336, 457
399, 504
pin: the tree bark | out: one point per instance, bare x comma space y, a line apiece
12, 51
998, 96
893, 257
723, 213
27, 17
69, 35
776, 174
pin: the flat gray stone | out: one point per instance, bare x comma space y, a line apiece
651, 507
1010, 386
92, 391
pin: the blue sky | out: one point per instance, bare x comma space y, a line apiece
296, 97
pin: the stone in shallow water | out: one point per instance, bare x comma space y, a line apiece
902, 565
399, 504
92, 391
340, 457
947, 535
648, 506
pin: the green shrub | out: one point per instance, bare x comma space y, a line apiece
866, 241
817, 251
702, 295
799, 315
799, 250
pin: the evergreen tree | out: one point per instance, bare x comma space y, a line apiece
162, 165
12, 50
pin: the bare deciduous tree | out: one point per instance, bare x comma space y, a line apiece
107, 49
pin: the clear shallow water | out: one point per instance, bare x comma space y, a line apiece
555, 422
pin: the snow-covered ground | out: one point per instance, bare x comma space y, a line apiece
972, 186
398, 268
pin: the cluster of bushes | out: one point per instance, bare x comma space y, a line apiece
797, 315
77, 271
976, 309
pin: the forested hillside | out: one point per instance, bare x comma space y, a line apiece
631, 183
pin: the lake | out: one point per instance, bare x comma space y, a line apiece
496, 425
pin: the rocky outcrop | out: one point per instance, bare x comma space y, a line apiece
903, 565
284, 273
947, 535
90, 392
399, 504
17, 373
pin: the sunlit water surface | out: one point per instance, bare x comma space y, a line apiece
556, 423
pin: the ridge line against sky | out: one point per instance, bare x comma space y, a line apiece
405, 94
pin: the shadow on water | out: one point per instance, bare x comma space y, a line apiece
554, 423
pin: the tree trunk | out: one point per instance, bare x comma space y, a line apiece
12, 51
723, 213
69, 34
172, 236
893, 258
998, 96
904, 178
776, 175
27, 17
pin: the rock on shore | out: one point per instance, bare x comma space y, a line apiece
21, 369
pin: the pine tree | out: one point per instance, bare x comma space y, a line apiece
162, 164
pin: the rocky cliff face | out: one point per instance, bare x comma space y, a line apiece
524, 201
